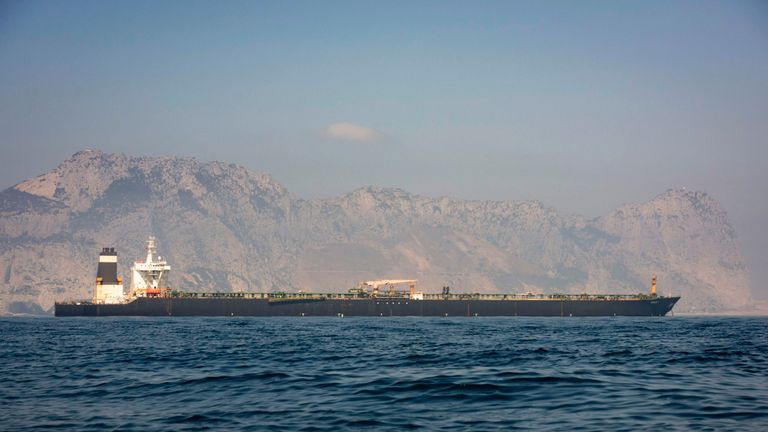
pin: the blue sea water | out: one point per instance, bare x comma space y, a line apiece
145, 374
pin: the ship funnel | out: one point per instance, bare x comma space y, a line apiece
109, 286
653, 286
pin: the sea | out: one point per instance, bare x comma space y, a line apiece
341, 373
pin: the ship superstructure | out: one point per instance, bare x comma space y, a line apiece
149, 277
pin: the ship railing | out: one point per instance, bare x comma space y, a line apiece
400, 294
264, 295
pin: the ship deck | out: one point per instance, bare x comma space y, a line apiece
425, 296
397, 295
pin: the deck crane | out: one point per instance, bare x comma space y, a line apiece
375, 284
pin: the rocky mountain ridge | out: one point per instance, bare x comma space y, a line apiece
223, 227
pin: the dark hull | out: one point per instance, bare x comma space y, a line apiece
369, 307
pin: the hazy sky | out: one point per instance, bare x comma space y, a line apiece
583, 105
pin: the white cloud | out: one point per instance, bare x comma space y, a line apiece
350, 132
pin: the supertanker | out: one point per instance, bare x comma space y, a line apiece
149, 295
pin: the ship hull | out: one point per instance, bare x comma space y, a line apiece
368, 307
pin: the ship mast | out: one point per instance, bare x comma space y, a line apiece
151, 249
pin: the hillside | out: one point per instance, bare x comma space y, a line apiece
223, 227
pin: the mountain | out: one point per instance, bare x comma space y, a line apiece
223, 227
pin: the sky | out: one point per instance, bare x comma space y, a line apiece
583, 105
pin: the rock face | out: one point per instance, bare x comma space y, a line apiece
225, 228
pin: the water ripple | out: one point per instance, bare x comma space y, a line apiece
318, 374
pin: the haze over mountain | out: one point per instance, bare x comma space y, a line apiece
223, 227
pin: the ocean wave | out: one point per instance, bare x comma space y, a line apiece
367, 373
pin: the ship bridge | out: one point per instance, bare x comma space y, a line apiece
149, 277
